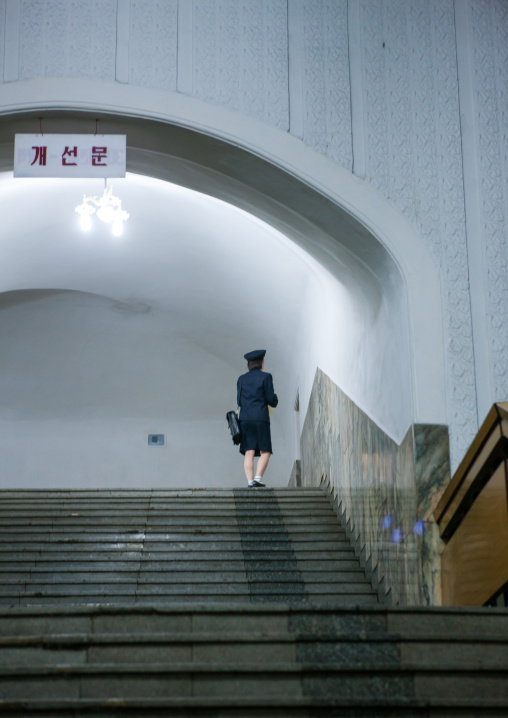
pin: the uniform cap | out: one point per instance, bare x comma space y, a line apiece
257, 354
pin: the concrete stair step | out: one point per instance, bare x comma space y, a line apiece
207, 585
260, 707
137, 495
20, 566
191, 536
77, 518
174, 591
178, 575
161, 518
345, 650
146, 540
51, 552
160, 530
140, 493
27, 511
294, 508
185, 547
242, 652
126, 531
163, 531
179, 506
158, 534
458, 621
131, 600
178, 618
165, 528
301, 496
330, 620
192, 546
230, 679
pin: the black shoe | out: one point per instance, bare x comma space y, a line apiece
257, 482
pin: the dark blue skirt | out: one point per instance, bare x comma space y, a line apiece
255, 435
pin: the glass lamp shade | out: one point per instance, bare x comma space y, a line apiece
117, 228
85, 222
106, 213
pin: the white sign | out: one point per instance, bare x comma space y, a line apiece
69, 155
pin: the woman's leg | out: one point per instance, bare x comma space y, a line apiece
248, 464
262, 463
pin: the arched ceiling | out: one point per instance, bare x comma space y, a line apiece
226, 171
191, 280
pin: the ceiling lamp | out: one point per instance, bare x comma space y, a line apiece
107, 208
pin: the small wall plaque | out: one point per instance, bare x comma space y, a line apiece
155, 439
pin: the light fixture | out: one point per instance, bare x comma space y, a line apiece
108, 209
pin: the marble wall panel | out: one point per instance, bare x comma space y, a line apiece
240, 57
432, 476
488, 20
414, 157
432, 466
326, 87
295, 480
153, 42
2, 37
384, 489
68, 38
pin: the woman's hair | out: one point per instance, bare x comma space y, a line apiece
254, 364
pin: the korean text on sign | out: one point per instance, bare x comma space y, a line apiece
70, 156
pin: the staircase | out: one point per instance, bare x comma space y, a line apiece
220, 603
131, 547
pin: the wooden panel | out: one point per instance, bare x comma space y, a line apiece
469, 477
498, 412
475, 560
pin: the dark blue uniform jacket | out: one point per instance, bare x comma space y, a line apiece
254, 392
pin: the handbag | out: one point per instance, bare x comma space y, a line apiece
234, 427
234, 423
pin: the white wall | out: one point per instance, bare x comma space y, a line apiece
384, 89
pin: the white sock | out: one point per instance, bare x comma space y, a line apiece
258, 477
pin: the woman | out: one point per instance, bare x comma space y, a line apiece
254, 395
